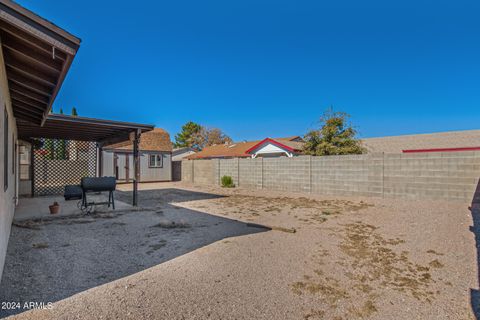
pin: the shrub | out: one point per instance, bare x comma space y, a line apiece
227, 182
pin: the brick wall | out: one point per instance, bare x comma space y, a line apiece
439, 175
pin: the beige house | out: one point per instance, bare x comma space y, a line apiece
430, 142
155, 150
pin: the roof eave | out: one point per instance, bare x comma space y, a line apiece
27, 26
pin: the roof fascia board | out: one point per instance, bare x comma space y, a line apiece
269, 140
39, 27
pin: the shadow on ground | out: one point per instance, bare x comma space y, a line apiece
475, 210
156, 197
52, 260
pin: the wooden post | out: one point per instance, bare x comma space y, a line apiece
31, 168
136, 168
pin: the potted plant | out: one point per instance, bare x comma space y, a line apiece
54, 208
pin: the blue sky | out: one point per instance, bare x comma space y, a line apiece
269, 68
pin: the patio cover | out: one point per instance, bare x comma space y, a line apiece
37, 56
65, 127
104, 132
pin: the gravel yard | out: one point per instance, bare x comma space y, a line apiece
325, 258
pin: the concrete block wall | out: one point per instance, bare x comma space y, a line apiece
204, 172
251, 173
187, 170
358, 175
287, 174
447, 176
228, 167
436, 175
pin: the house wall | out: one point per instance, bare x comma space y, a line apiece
107, 167
7, 197
180, 156
270, 150
440, 175
147, 174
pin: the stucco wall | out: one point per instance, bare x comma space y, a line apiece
155, 174
147, 174
7, 197
107, 168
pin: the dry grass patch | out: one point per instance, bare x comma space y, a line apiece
436, 264
314, 314
371, 264
365, 311
375, 261
304, 209
434, 252
328, 287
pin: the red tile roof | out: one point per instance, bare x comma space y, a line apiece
239, 149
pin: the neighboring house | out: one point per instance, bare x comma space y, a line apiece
155, 150
431, 142
278, 147
179, 153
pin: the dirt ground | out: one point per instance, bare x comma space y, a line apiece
324, 258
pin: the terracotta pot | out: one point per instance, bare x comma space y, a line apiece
54, 208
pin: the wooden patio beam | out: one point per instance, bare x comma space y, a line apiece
25, 82
14, 87
26, 100
31, 40
29, 53
29, 71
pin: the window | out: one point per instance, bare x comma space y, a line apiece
5, 150
24, 161
156, 161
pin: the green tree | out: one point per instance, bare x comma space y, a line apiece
336, 136
61, 148
49, 146
189, 136
74, 112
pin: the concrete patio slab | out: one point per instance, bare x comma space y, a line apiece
34, 208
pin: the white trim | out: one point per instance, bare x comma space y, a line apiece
271, 149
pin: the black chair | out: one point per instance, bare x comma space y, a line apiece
73, 192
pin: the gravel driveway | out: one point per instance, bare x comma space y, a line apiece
325, 258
